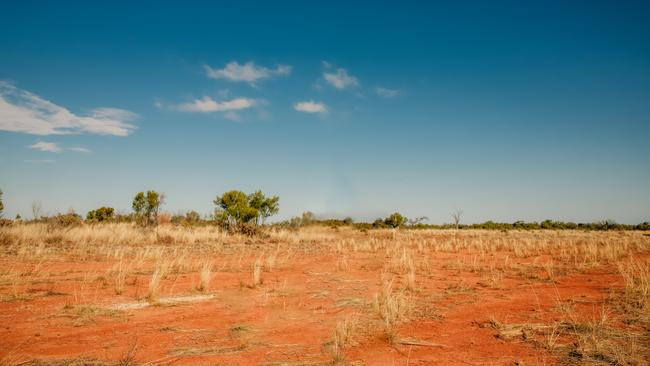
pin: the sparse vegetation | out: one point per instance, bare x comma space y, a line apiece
395, 220
147, 206
394, 287
102, 214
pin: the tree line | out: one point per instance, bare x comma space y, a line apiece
242, 212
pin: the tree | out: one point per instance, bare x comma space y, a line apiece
418, 220
233, 208
456, 217
395, 220
307, 218
192, 217
36, 209
2, 205
266, 207
147, 206
101, 214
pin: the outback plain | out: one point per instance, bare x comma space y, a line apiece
122, 294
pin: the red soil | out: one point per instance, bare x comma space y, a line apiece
291, 317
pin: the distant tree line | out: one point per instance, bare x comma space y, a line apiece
240, 212
396, 220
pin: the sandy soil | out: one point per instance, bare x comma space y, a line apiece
61, 307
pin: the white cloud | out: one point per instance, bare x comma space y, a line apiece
341, 79
80, 149
40, 161
248, 72
310, 107
46, 146
22, 111
207, 104
232, 115
386, 93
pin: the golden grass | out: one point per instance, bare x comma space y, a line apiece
399, 263
205, 276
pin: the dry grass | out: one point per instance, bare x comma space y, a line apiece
407, 271
205, 277
257, 273
154, 283
344, 336
393, 307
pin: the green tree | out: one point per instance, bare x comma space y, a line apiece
395, 220
101, 214
2, 205
192, 217
266, 207
256, 201
233, 208
139, 202
147, 206
308, 217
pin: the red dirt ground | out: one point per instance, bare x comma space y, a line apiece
290, 318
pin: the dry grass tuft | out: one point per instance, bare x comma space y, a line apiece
257, 273
205, 276
345, 334
392, 307
154, 283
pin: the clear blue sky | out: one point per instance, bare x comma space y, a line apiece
508, 110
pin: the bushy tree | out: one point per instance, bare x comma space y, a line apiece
2, 205
101, 214
236, 207
233, 208
147, 206
192, 217
265, 206
395, 220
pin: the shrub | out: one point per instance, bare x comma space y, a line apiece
192, 217
101, 214
395, 220
64, 220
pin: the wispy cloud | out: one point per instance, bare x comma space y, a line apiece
232, 115
46, 146
80, 149
207, 105
248, 72
55, 148
310, 107
386, 93
25, 112
40, 161
341, 79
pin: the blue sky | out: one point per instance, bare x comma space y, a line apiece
509, 110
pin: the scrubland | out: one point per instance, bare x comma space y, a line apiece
119, 294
